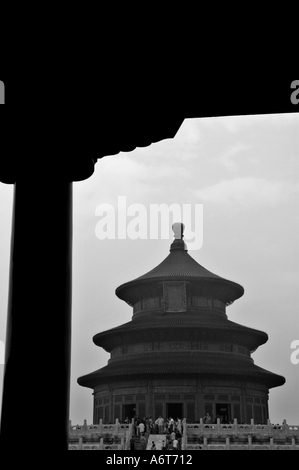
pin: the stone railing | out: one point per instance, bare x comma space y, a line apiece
195, 436
100, 436
96, 446
202, 436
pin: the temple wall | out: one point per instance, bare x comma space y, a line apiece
192, 302
193, 399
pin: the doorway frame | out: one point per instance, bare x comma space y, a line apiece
229, 411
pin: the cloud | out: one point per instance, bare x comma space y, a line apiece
247, 192
127, 171
240, 123
227, 159
141, 181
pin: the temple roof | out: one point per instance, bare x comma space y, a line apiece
203, 364
203, 327
179, 266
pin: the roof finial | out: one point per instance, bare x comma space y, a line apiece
178, 242
178, 230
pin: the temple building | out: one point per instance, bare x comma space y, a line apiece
180, 355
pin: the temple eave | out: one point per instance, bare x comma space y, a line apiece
131, 333
217, 288
154, 372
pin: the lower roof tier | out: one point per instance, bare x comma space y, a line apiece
215, 366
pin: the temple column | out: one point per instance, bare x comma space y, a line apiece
243, 405
150, 407
38, 337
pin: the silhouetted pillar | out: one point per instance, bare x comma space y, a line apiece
38, 337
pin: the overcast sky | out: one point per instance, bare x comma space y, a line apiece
245, 172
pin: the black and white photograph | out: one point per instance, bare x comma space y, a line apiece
176, 283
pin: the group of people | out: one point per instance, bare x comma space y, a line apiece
158, 426
172, 429
169, 444
168, 426
173, 441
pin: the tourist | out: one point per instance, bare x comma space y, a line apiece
141, 428
178, 436
170, 424
151, 425
160, 423
143, 442
132, 443
175, 444
179, 424
153, 446
147, 426
207, 419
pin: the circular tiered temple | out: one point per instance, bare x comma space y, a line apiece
180, 356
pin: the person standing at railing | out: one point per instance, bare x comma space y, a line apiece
207, 419
179, 425
170, 424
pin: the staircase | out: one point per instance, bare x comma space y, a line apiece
157, 438
138, 443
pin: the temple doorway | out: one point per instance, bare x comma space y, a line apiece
129, 411
174, 410
223, 411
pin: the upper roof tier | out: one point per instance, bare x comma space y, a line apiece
180, 266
